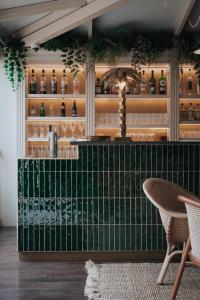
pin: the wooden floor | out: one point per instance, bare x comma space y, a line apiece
37, 280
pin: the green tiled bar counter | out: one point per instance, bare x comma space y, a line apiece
96, 203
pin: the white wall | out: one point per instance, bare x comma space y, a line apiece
8, 148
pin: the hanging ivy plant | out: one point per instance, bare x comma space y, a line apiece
15, 61
73, 51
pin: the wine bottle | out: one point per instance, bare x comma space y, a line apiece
198, 86
189, 83
181, 83
182, 113
143, 85
53, 83
64, 83
162, 84
152, 84
197, 112
105, 87
33, 83
42, 110
43, 83
74, 109
62, 110
76, 85
190, 112
98, 87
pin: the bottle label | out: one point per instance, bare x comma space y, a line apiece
152, 89
53, 87
32, 87
43, 86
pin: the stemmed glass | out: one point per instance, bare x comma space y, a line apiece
81, 128
72, 129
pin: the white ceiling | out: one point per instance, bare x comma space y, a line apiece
139, 15
144, 15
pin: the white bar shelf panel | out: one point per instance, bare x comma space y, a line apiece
132, 97
56, 119
110, 126
56, 96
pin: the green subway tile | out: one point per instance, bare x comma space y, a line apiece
138, 236
52, 165
42, 165
106, 211
122, 217
58, 165
36, 189
20, 166
117, 210
127, 157
111, 157
30, 166
116, 153
106, 241
47, 165
63, 165
95, 158
36, 165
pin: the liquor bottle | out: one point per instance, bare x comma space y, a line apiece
189, 83
76, 85
98, 87
152, 84
181, 83
43, 83
198, 86
182, 113
74, 109
105, 87
53, 143
33, 111
53, 83
33, 83
143, 84
190, 113
51, 111
162, 84
197, 112
42, 110
63, 110
64, 83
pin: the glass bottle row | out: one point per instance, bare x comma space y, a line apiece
190, 112
52, 111
146, 86
62, 86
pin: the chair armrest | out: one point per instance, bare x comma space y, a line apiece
173, 214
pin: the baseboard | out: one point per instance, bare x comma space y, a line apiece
135, 256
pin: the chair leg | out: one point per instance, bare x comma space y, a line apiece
180, 270
164, 267
166, 262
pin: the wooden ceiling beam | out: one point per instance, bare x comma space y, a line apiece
38, 8
185, 9
78, 17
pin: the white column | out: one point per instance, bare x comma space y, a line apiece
174, 100
90, 94
21, 113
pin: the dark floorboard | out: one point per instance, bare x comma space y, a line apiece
37, 280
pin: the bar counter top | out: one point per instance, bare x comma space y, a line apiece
95, 203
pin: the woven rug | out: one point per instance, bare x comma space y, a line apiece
137, 281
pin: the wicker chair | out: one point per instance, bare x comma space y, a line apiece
163, 194
192, 248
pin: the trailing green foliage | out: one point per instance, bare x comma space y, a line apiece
105, 48
15, 61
